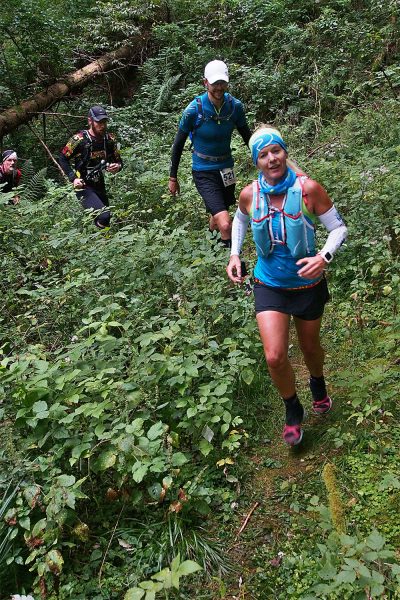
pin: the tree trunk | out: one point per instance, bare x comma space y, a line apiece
11, 118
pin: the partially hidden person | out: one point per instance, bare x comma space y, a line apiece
283, 208
210, 120
93, 151
10, 175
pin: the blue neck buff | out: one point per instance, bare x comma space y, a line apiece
279, 188
266, 137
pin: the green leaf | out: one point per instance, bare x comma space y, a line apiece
25, 522
106, 460
347, 540
188, 567
39, 527
136, 427
328, 571
395, 569
205, 447
139, 471
78, 451
247, 375
54, 561
220, 389
377, 578
155, 490
178, 459
134, 594
364, 572
375, 541
376, 590
227, 417
345, 577
390, 481
165, 577
155, 431
176, 561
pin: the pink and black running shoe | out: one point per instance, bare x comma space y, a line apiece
320, 407
292, 434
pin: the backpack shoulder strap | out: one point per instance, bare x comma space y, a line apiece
86, 135
232, 106
199, 113
256, 195
301, 179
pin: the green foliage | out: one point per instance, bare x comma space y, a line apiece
36, 186
354, 566
6, 532
163, 580
130, 372
38, 42
121, 396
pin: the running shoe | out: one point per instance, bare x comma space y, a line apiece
320, 407
292, 434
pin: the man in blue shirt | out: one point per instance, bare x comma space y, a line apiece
210, 120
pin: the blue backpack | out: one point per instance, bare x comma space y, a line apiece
200, 118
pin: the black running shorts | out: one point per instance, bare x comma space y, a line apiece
96, 198
211, 188
307, 303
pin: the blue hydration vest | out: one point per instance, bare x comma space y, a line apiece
298, 229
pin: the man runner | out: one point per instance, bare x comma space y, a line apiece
210, 120
94, 151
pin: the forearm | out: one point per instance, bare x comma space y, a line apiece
66, 167
239, 229
245, 133
337, 229
177, 149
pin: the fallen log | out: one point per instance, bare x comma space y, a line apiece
15, 116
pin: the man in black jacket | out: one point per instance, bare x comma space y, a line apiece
94, 151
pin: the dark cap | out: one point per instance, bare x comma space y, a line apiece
97, 113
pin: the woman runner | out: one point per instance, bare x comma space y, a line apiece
283, 207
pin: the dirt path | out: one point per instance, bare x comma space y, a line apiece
274, 465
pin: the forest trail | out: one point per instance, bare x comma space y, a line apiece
276, 467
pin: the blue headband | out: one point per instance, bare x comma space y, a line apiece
265, 139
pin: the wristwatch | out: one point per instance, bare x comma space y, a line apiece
327, 256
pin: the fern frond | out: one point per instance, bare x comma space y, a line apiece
165, 91
150, 71
36, 187
27, 170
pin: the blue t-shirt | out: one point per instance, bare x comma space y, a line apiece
213, 137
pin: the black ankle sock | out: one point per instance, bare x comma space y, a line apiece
227, 243
294, 410
318, 387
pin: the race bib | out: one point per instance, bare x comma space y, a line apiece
228, 176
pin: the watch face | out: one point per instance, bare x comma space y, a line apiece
328, 256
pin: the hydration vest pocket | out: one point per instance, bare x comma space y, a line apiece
299, 236
261, 235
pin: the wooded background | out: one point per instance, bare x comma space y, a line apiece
139, 430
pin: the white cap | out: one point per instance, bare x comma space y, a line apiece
216, 70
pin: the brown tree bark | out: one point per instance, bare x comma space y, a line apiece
11, 118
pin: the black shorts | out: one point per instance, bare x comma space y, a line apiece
211, 188
307, 304
93, 197
96, 198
